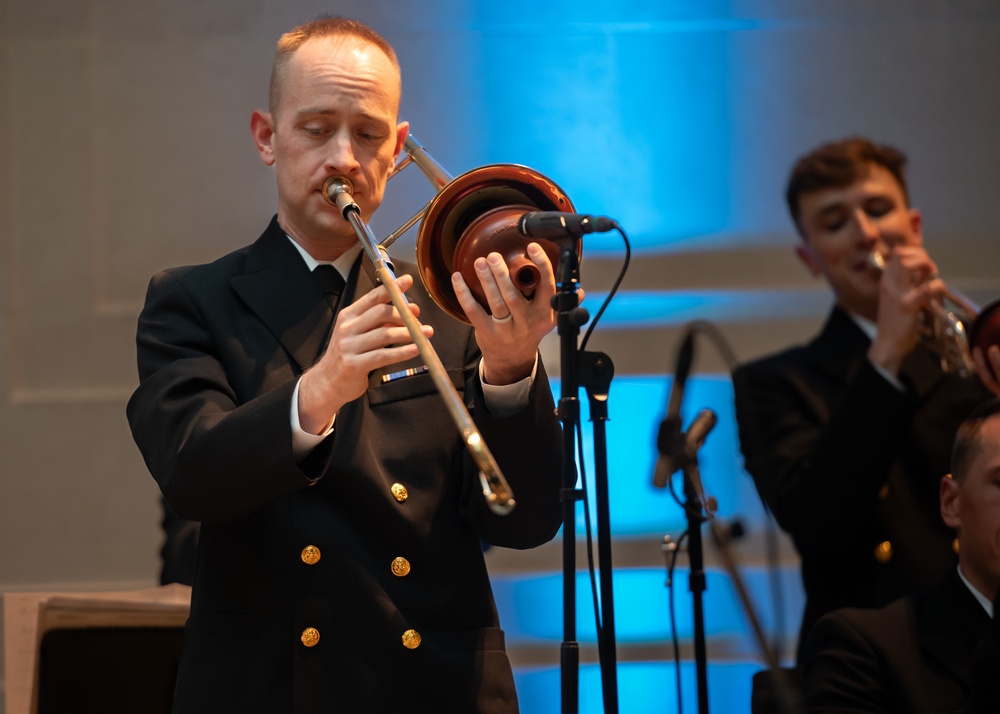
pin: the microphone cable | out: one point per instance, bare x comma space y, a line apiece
614, 288
588, 529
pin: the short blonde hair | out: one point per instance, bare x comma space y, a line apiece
323, 26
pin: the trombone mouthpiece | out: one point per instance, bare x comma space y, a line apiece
337, 190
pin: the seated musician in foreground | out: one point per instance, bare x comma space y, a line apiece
919, 653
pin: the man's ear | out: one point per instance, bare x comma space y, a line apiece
917, 225
402, 131
805, 254
950, 495
262, 131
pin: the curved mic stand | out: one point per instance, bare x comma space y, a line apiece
722, 535
594, 371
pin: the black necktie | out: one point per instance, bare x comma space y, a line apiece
330, 282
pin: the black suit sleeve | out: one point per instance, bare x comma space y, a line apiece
528, 449
985, 698
841, 669
214, 459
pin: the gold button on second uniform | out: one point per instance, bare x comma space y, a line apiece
310, 555
400, 567
883, 552
310, 637
399, 492
411, 639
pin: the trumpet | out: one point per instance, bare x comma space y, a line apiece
952, 326
470, 216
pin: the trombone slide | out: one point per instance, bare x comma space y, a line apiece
496, 490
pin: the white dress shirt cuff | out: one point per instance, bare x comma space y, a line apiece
302, 441
507, 399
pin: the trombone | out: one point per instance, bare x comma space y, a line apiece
471, 215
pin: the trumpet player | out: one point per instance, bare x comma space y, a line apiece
848, 436
340, 565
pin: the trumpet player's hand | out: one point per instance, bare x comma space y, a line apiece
988, 367
907, 288
509, 345
368, 334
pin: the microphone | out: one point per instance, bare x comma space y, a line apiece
556, 224
698, 431
668, 441
694, 438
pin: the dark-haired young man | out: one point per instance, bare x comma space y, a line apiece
847, 437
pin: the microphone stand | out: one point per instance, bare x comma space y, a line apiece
597, 371
565, 303
597, 378
680, 450
696, 577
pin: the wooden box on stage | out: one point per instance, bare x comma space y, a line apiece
105, 652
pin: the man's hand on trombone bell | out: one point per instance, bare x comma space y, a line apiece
509, 337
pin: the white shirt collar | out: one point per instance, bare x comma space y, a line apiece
983, 600
866, 325
343, 264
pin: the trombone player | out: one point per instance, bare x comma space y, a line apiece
340, 562
848, 436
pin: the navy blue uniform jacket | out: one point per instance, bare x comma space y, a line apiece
220, 347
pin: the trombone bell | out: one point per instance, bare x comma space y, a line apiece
477, 213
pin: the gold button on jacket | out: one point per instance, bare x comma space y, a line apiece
883, 552
400, 567
399, 492
310, 555
411, 639
310, 637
